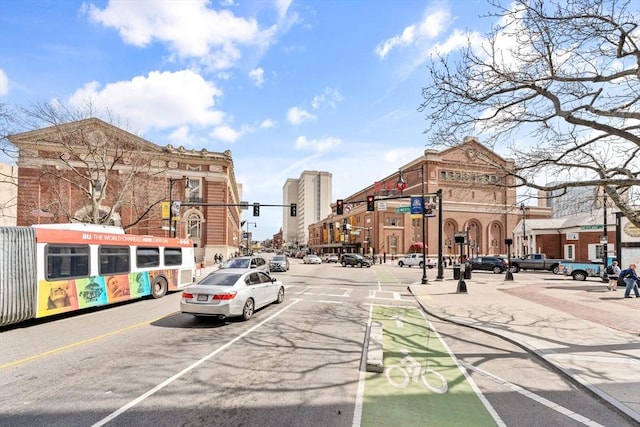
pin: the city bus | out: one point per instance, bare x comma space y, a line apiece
59, 268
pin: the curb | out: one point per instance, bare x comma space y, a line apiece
570, 375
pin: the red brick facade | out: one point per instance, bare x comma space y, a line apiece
131, 181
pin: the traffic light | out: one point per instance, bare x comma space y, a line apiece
370, 204
256, 209
340, 207
293, 210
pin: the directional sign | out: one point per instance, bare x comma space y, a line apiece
403, 209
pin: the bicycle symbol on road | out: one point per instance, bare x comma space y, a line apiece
410, 369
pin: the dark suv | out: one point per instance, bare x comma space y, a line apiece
488, 263
354, 260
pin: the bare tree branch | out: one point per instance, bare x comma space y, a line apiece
555, 85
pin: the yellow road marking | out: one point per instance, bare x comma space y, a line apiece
79, 343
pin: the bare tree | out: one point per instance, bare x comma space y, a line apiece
8, 178
91, 171
555, 85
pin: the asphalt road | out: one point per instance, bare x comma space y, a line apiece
299, 363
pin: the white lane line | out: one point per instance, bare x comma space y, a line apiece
474, 386
357, 412
194, 365
549, 404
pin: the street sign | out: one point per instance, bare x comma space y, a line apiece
403, 209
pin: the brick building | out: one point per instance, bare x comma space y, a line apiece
92, 171
476, 202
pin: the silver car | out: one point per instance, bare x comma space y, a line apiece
231, 292
250, 261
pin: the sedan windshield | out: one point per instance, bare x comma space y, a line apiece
220, 279
279, 258
238, 263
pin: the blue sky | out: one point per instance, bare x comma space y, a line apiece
287, 86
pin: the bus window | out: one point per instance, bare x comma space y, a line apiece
66, 261
147, 257
114, 260
172, 256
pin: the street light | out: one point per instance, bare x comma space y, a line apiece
174, 207
524, 228
401, 185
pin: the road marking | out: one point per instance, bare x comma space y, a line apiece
398, 321
80, 343
188, 369
549, 404
357, 412
425, 382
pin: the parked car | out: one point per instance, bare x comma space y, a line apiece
231, 293
311, 259
279, 263
355, 260
331, 258
415, 259
536, 262
488, 263
250, 261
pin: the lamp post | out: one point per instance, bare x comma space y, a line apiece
174, 206
605, 237
524, 229
401, 185
440, 255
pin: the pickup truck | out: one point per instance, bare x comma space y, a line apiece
582, 270
536, 262
415, 259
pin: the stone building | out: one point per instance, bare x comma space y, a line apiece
92, 171
476, 203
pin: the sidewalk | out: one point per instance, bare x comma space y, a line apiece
589, 334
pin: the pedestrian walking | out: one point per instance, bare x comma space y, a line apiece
630, 278
613, 272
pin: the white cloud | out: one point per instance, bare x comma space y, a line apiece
268, 124
330, 97
4, 83
430, 27
226, 133
318, 145
257, 75
160, 100
181, 136
296, 116
189, 27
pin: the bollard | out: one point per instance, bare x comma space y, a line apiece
462, 285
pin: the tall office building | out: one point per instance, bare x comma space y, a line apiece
312, 194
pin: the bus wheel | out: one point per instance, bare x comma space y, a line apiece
159, 288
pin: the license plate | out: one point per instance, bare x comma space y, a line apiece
203, 297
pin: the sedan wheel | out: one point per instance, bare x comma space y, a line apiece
280, 296
359, 264
400, 264
344, 264
497, 270
247, 310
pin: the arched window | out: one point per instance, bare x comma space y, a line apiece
194, 226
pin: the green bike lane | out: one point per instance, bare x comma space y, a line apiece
421, 384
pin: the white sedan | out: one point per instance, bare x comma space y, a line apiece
312, 259
231, 292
